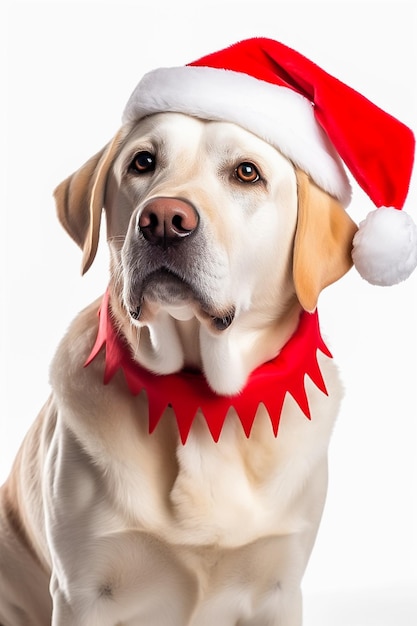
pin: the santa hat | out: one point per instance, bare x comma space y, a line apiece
317, 122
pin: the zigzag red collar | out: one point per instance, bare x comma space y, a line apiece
186, 392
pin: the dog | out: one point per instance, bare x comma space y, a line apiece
178, 471
218, 244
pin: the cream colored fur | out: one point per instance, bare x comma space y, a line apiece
102, 524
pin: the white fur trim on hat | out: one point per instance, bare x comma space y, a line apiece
385, 247
276, 114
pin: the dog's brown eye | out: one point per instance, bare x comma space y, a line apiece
247, 173
143, 162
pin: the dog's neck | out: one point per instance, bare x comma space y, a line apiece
188, 392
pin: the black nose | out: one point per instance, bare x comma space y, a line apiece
166, 222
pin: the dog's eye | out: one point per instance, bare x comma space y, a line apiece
247, 172
143, 163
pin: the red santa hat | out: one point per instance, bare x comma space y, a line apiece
317, 122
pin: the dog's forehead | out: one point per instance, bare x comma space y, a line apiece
162, 127
180, 132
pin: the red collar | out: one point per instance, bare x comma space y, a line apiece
187, 391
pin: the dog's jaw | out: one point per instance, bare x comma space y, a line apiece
176, 338
160, 347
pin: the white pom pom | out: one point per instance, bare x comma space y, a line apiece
385, 247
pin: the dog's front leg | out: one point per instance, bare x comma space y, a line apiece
77, 515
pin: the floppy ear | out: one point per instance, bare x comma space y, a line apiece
80, 199
323, 241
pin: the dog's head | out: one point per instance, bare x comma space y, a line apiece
216, 241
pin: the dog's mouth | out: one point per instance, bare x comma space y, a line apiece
163, 288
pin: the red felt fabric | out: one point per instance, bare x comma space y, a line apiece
187, 392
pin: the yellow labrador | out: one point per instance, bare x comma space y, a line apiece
217, 245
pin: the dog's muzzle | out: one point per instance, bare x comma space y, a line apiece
168, 264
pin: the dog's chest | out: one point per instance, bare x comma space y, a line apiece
220, 527
228, 493
223, 542
203, 493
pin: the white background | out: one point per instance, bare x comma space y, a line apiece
72, 67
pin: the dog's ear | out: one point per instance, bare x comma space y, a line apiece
80, 199
323, 241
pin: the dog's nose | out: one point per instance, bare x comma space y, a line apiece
167, 221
